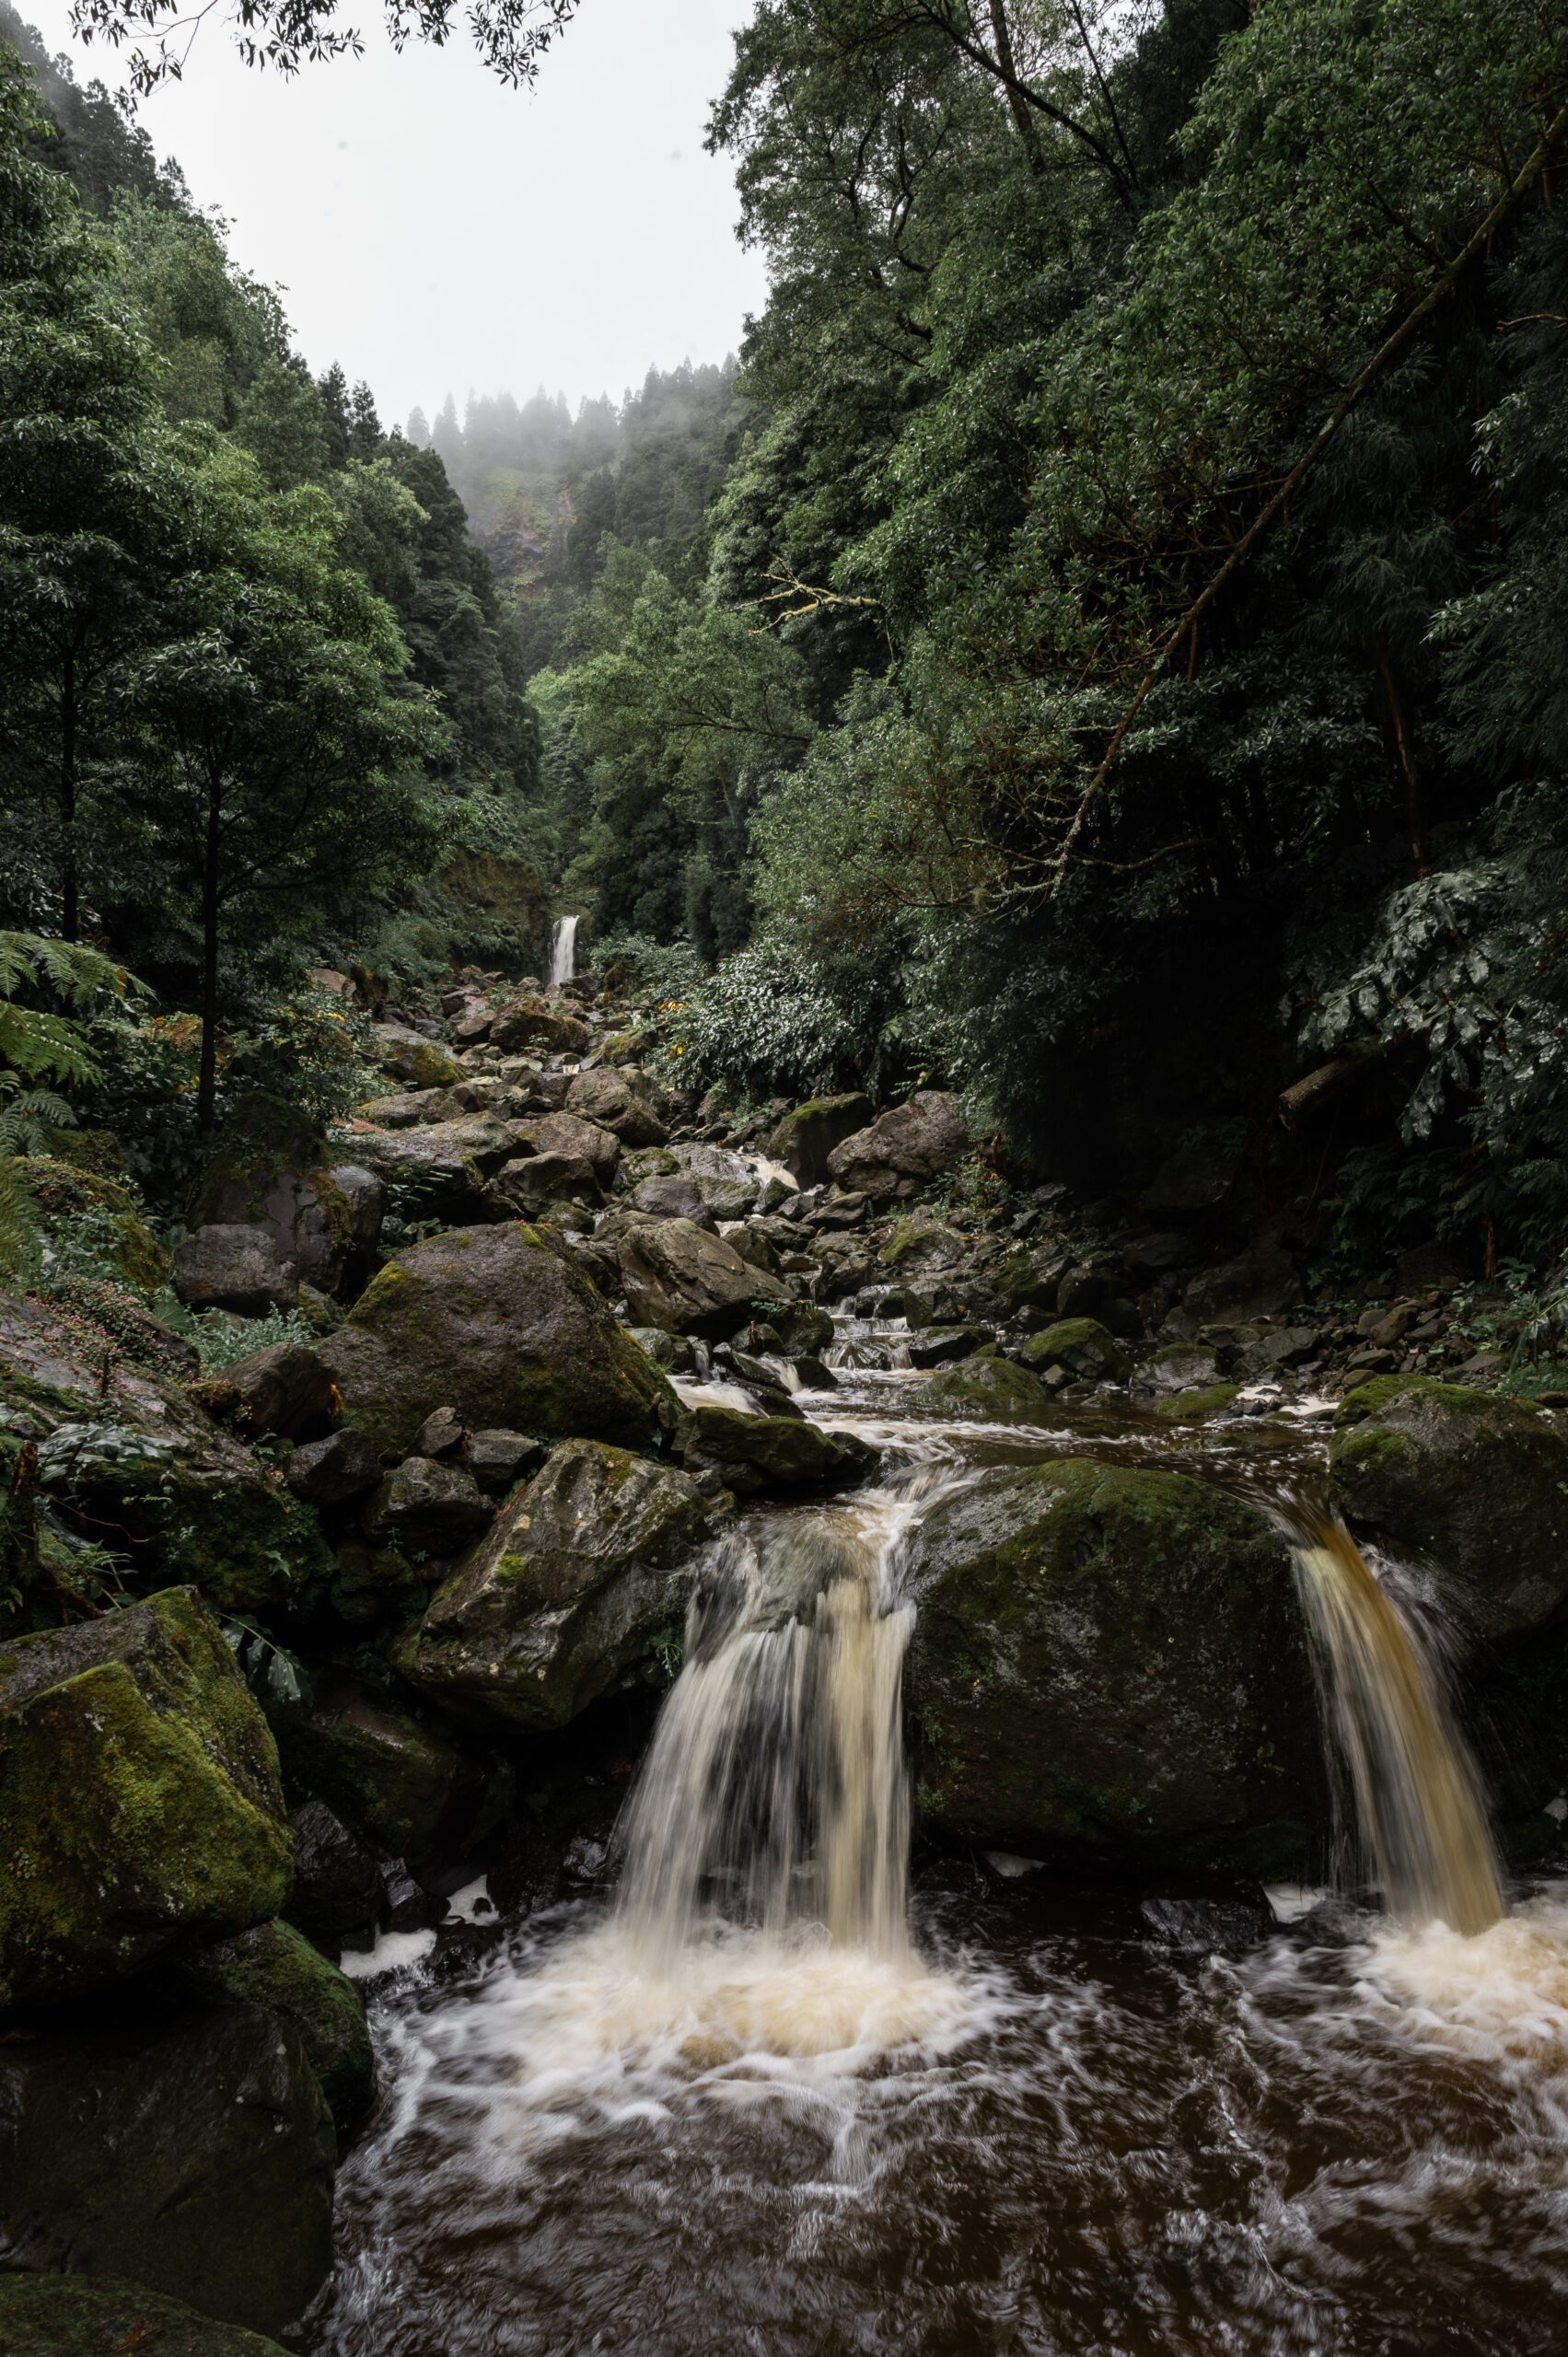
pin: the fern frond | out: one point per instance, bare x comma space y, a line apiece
21, 1228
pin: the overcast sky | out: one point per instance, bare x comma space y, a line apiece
435, 232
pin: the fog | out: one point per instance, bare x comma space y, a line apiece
437, 233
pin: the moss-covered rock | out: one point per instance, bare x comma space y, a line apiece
1112, 1663
805, 1137
753, 1454
679, 1276
275, 1968
1476, 1483
67, 1194
94, 2315
1192, 1406
417, 1061
496, 1323
405, 1779
140, 1796
987, 1389
586, 1569
1083, 1346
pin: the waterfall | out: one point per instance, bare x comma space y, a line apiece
564, 952
1412, 1783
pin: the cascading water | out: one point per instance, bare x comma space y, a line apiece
1413, 1787
564, 952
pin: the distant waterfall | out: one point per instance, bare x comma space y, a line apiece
1413, 1784
564, 952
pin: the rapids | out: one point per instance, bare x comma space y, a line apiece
760, 2096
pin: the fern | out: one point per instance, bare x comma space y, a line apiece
21, 1227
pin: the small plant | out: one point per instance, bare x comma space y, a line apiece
274, 1674
220, 1340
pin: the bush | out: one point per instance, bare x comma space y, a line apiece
767, 1022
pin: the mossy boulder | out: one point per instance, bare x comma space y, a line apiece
921, 1246
1474, 1483
438, 1170
527, 1021
903, 1148
680, 1277
1193, 1407
191, 2150
1113, 1664
805, 1137
94, 2315
1083, 1346
1029, 1277
584, 1571
140, 1797
621, 1100
418, 1061
753, 1454
68, 1196
405, 1777
275, 1967
987, 1389
496, 1323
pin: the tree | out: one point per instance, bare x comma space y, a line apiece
278, 750
512, 36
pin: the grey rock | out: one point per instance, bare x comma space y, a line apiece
329, 1473
426, 1508
237, 1268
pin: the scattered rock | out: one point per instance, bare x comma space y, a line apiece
235, 1268
987, 1390
1262, 1282
805, 1137
441, 1434
499, 1460
758, 1453
527, 1021
619, 1101
1081, 1345
679, 1277
439, 1170
578, 1140
418, 1061
677, 1198
914, 1142
329, 1473
426, 1508
286, 1389
527, 1188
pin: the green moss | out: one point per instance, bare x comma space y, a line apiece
275, 1967
95, 2315
1081, 1344
1190, 1406
1368, 1397
989, 1389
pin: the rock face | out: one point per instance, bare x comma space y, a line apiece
83, 2315
275, 1968
564, 1598
805, 1137
620, 1101
137, 1463
440, 1169
241, 1268
494, 1323
914, 1142
1111, 1664
987, 1391
140, 1797
1476, 1484
756, 1453
194, 2154
398, 1777
679, 1277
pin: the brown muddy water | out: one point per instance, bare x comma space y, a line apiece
764, 2098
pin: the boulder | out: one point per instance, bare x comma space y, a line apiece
677, 1198
325, 1218
140, 1796
529, 1186
1261, 1283
94, 2315
805, 1137
285, 1389
1178, 1366
401, 1779
192, 2152
242, 1268
425, 1507
62, 1193
329, 1473
903, 1148
757, 1453
1113, 1664
499, 1459
374, 1584
679, 1277
619, 1101
441, 1434
583, 1572
578, 1140
337, 1881
496, 1323
275, 1967
418, 1061
438, 1171
527, 1022
1475, 1484
1083, 1346
988, 1390
802, 1329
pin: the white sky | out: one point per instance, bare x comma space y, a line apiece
435, 232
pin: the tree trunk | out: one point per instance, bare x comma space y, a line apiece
70, 908
1028, 131
207, 1087
1411, 783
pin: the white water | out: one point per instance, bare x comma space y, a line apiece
564, 952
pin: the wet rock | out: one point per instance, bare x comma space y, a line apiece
1280, 1346
81, 2315
286, 1389
426, 1508
987, 1390
1030, 1280
140, 1797
194, 2153
405, 1781
441, 1434
241, 1268
525, 1874
337, 1884
527, 1022
406, 1904
941, 1345
275, 1967
528, 1187
440, 1170
496, 1323
579, 1139
753, 1454
1178, 1366
418, 1061
675, 1353
805, 1137
329, 1473
802, 1329
1214, 1915
1262, 1282
1112, 1663
679, 1278
1475, 1484
619, 1101
1083, 1346
565, 1597
499, 1459
678, 1198
903, 1149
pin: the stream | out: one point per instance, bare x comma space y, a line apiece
764, 2098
